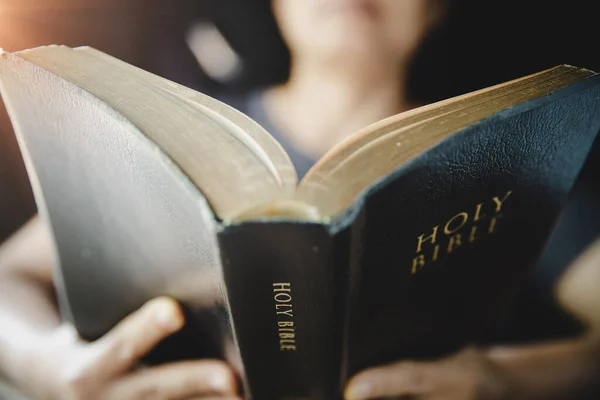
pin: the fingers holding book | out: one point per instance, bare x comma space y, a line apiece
108, 368
557, 369
467, 375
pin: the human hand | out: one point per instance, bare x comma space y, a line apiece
65, 367
467, 375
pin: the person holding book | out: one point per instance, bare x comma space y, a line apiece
358, 70
350, 64
560, 369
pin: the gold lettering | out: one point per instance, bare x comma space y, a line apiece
453, 235
465, 218
283, 306
286, 312
492, 225
436, 250
454, 242
478, 215
423, 239
418, 261
282, 287
283, 297
472, 234
499, 202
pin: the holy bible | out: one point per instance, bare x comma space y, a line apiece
408, 240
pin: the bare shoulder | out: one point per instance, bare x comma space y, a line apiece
579, 287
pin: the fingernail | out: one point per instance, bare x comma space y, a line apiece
358, 391
220, 382
166, 314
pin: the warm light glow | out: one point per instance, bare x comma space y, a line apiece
29, 23
20, 6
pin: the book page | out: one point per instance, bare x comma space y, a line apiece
373, 153
234, 162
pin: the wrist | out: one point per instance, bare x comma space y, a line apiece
32, 360
501, 383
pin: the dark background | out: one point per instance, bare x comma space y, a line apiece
480, 43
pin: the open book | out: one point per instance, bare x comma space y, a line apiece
407, 240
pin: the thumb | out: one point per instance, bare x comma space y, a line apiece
137, 334
403, 378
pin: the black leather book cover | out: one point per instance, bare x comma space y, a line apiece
286, 286
448, 238
428, 260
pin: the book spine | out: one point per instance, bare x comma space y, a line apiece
285, 284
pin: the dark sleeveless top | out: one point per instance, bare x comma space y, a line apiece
253, 106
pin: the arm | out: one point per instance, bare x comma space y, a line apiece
27, 306
553, 370
46, 359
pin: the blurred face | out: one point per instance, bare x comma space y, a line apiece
389, 29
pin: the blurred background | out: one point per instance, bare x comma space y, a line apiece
224, 47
